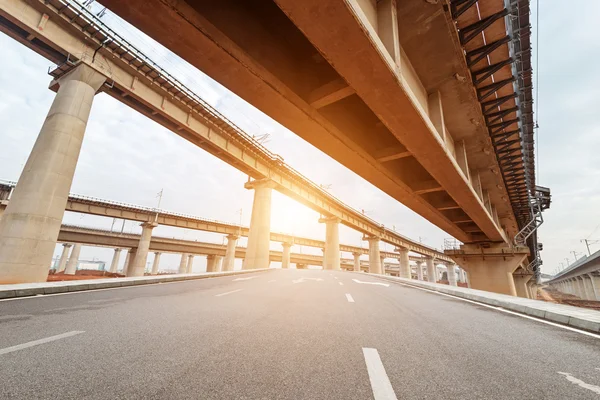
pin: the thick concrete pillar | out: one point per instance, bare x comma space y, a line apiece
218, 263
64, 256
356, 262
331, 256
211, 262
183, 263
382, 260
490, 268
229, 261
259, 236
374, 254
404, 270
451, 274
532, 289
129, 260
115, 261
72, 263
595, 280
580, 288
138, 265
521, 280
431, 272
156, 263
190, 264
30, 224
589, 287
126, 263
285, 257
419, 270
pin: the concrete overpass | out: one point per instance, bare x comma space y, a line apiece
581, 279
108, 208
428, 100
90, 54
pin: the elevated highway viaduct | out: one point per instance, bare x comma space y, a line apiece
92, 58
428, 100
151, 218
393, 124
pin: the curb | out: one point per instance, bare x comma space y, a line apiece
36, 289
575, 317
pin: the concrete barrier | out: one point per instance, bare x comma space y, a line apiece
35, 289
576, 317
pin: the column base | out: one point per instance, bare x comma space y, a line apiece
522, 279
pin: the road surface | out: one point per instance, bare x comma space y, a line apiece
296, 334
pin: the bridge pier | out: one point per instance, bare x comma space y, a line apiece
490, 267
73, 259
115, 261
259, 235
211, 263
532, 286
595, 282
30, 224
521, 279
331, 256
374, 254
285, 257
190, 264
356, 262
138, 265
64, 256
451, 274
404, 271
156, 263
229, 261
129, 260
183, 263
431, 270
419, 270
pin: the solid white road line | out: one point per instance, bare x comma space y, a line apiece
580, 383
40, 341
349, 297
543, 321
226, 293
372, 283
341, 284
244, 279
380, 383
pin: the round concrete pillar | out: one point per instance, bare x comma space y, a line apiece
64, 256
356, 262
73, 259
405, 271
138, 266
190, 264
374, 255
259, 235
419, 270
115, 261
285, 256
451, 274
229, 261
331, 256
211, 263
431, 271
30, 224
183, 263
156, 263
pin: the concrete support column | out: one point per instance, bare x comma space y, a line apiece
331, 256
126, 263
129, 261
219, 263
374, 254
30, 224
532, 289
382, 261
64, 256
229, 261
582, 290
589, 287
211, 262
595, 281
451, 274
431, 271
190, 264
405, 271
115, 261
72, 264
156, 263
285, 257
259, 235
138, 264
356, 262
419, 270
490, 268
521, 281
183, 263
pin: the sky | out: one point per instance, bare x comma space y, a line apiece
128, 158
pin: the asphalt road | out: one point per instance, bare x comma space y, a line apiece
285, 335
